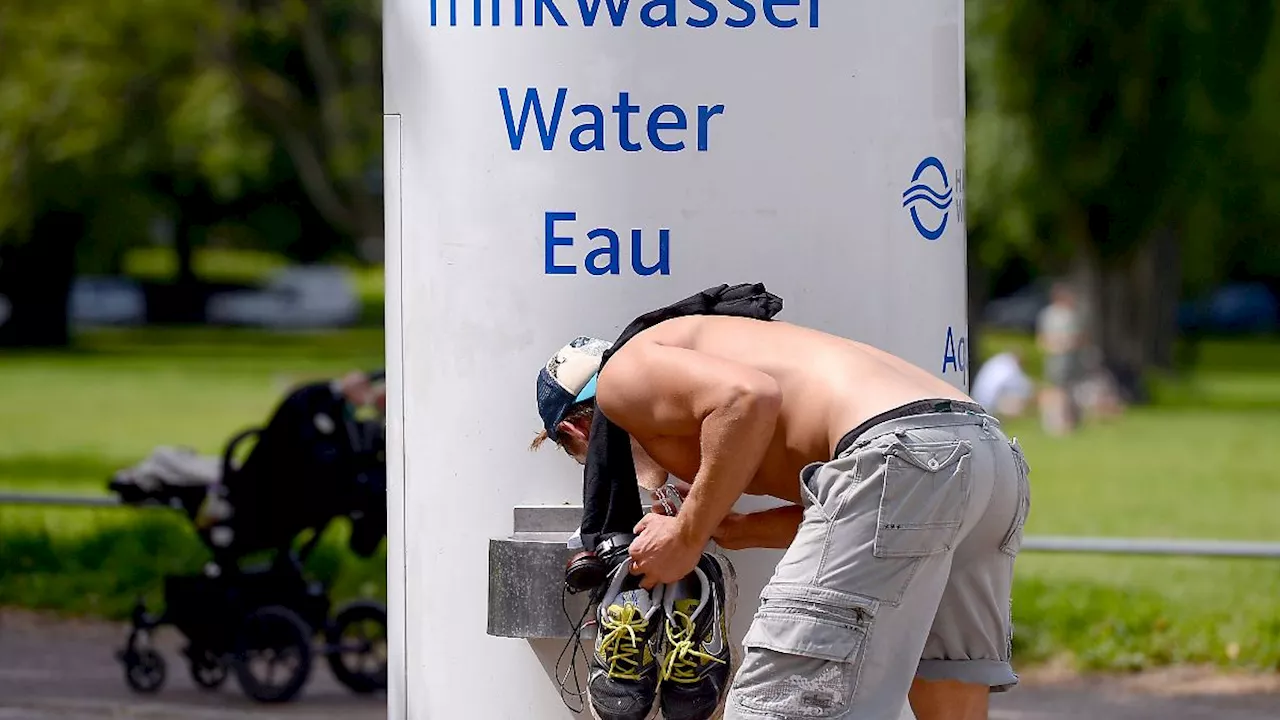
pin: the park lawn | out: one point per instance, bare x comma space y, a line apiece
1154, 474
69, 420
1204, 463
72, 419
238, 266
251, 267
1201, 463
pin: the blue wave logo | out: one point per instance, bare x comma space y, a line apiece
924, 194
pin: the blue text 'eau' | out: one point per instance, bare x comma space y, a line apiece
606, 257
618, 13
666, 126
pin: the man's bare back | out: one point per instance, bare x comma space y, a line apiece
828, 385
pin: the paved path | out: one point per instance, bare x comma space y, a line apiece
62, 670
1165, 696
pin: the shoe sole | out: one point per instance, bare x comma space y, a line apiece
653, 712
730, 608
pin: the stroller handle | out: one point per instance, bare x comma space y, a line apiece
228, 456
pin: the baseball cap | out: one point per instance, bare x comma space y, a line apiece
569, 377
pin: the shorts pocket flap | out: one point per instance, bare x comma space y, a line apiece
924, 499
797, 633
931, 457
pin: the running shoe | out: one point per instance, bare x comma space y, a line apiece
698, 660
622, 681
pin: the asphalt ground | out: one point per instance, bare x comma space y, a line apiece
58, 669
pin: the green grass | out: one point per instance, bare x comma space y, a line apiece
1202, 463
98, 562
225, 265
71, 419
236, 266
1164, 474
211, 264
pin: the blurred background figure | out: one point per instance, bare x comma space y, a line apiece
1098, 393
1060, 338
1002, 386
364, 390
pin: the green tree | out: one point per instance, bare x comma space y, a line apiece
310, 73
1098, 127
93, 97
112, 113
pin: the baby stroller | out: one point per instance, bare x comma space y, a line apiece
317, 459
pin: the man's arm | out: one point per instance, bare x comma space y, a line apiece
774, 528
657, 390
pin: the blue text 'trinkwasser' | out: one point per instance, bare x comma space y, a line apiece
618, 13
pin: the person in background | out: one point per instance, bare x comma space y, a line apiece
1060, 337
364, 390
1002, 387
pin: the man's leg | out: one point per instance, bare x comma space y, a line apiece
968, 650
949, 700
845, 618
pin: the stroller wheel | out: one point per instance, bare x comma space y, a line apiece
207, 670
144, 670
357, 647
273, 654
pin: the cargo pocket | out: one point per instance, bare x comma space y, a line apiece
808, 498
1012, 542
924, 499
804, 658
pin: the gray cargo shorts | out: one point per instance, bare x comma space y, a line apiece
902, 567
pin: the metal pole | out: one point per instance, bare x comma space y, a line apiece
1152, 546
58, 500
1045, 543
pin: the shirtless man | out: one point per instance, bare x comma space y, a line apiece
908, 503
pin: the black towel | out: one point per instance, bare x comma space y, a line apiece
611, 492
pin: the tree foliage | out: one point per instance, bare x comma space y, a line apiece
113, 88
1106, 133
96, 92
115, 111
310, 73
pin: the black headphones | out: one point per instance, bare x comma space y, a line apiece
589, 569
585, 571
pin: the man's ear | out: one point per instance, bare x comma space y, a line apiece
577, 430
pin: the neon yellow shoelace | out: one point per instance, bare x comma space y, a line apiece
681, 663
621, 644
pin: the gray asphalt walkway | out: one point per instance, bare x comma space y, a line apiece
61, 670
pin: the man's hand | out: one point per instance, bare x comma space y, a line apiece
659, 553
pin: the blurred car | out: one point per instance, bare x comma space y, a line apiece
105, 300
311, 296
1238, 308
1018, 310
